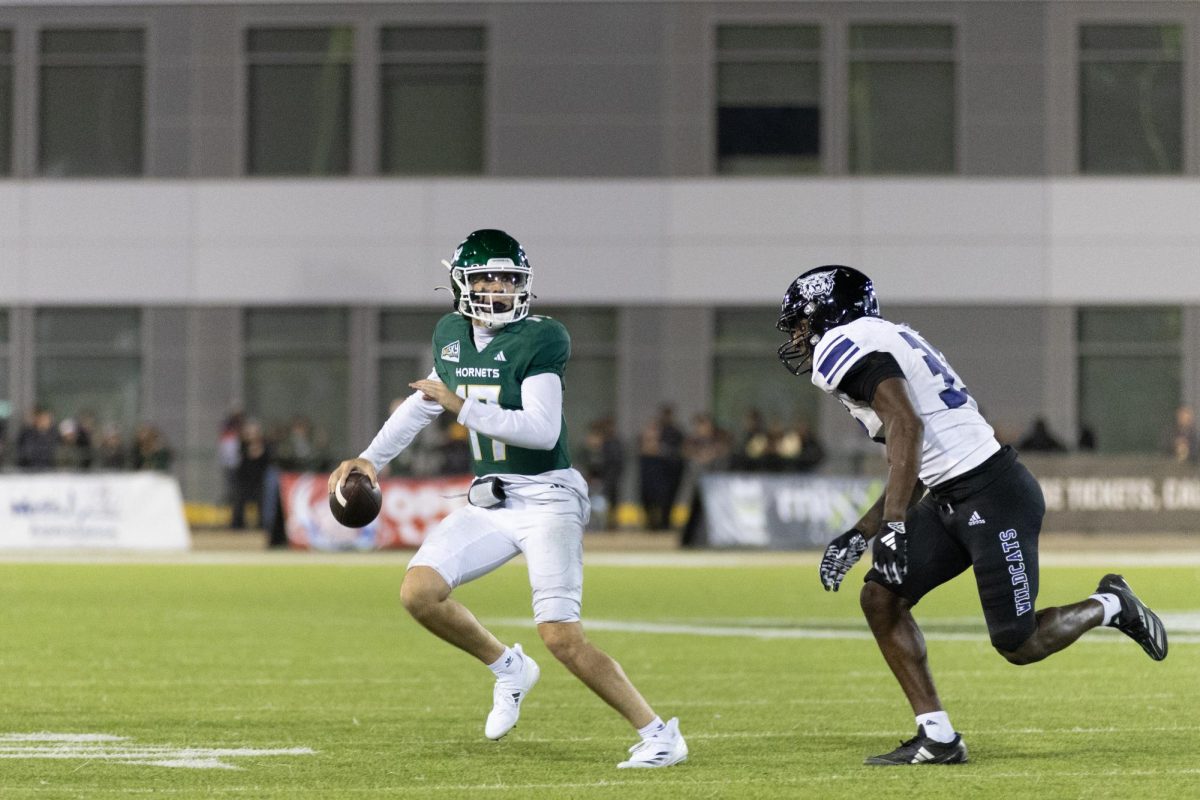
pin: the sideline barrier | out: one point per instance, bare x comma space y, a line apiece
411, 508
120, 511
1084, 494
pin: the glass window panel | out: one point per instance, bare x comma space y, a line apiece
6, 117
1131, 117
3, 326
446, 137
326, 44
769, 84
395, 374
589, 327
1162, 40
747, 330
902, 118
279, 388
91, 102
768, 37
743, 382
768, 111
432, 39
86, 42
108, 386
299, 119
114, 329
591, 394
1130, 325
297, 328
1149, 392
6, 102
409, 326
902, 37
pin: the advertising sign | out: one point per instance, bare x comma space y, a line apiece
411, 508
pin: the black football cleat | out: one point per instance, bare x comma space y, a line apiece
1135, 619
922, 750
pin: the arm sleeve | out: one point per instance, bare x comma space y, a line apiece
401, 428
864, 377
537, 425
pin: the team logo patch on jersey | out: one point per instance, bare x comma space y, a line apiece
450, 352
815, 285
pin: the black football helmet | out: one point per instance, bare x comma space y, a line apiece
818, 300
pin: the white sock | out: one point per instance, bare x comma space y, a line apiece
508, 663
654, 727
937, 726
1111, 603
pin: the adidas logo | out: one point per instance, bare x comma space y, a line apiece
500, 356
976, 519
450, 352
889, 539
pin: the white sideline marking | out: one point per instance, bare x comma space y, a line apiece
1190, 621
122, 749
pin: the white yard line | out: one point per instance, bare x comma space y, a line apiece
1105, 636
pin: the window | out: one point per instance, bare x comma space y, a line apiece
299, 101
89, 360
591, 378
747, 375
1131, 99
902, 106
405, 352
768, 99
91, 110
297, 366
433, 100
6, 102
1133, 354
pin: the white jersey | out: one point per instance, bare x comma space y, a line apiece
957, 438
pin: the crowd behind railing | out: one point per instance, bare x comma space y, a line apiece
667, 462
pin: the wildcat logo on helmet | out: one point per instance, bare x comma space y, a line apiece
450, 352
815, 285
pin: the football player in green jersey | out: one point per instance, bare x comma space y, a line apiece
500, 372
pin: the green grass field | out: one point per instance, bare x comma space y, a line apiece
193, 662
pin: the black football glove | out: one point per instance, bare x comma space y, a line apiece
891, 552
841, 554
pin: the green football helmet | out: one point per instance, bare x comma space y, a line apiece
492, 278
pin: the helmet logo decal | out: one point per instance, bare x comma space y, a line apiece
812, 286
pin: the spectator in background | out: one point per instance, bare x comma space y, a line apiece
85, 436
69, 455
1183, 444
671, 440
603, 464
150, 450
110, 452
1087, 438
456, 449
654, 478
1040, 439
707, 448
799, 449
38, 441
753, 444
253, 463
229, 452
301, 448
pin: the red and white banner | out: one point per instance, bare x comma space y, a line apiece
411, 508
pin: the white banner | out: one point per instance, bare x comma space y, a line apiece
126, 511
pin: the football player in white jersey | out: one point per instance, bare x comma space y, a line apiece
954, 498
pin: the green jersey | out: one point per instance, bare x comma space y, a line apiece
528, 347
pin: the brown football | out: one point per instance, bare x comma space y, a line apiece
358, 502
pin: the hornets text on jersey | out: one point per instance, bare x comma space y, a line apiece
957, 438
532, 346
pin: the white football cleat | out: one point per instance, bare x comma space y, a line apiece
507, 696
663, 749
